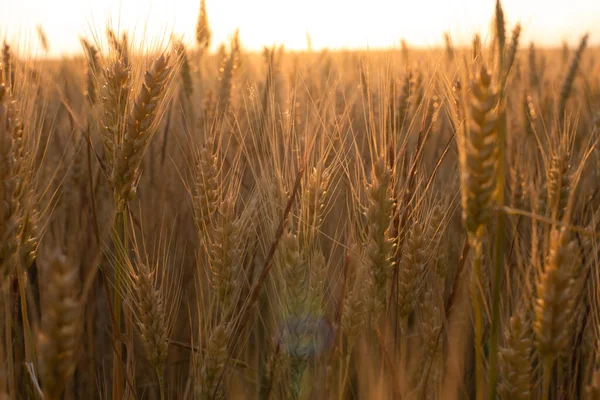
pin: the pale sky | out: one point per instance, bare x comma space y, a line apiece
331, 23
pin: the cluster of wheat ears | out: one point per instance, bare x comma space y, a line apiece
389, 224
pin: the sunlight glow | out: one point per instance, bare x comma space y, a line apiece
330, 23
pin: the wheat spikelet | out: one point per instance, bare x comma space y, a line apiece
515, 360
141, 125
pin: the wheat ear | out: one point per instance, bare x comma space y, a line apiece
554, 302
567, 86
210, 382
92, 70
185, 70
115, 93
515, 360
412, 271
9, 182
141, 126
380, 244
59, 339
205, 193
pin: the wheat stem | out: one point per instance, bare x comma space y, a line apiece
120, 270
344, 380
498, 254
547, 364
12, 382
29, 346
160, 374
477, 315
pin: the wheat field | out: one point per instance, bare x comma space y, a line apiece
382, 224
